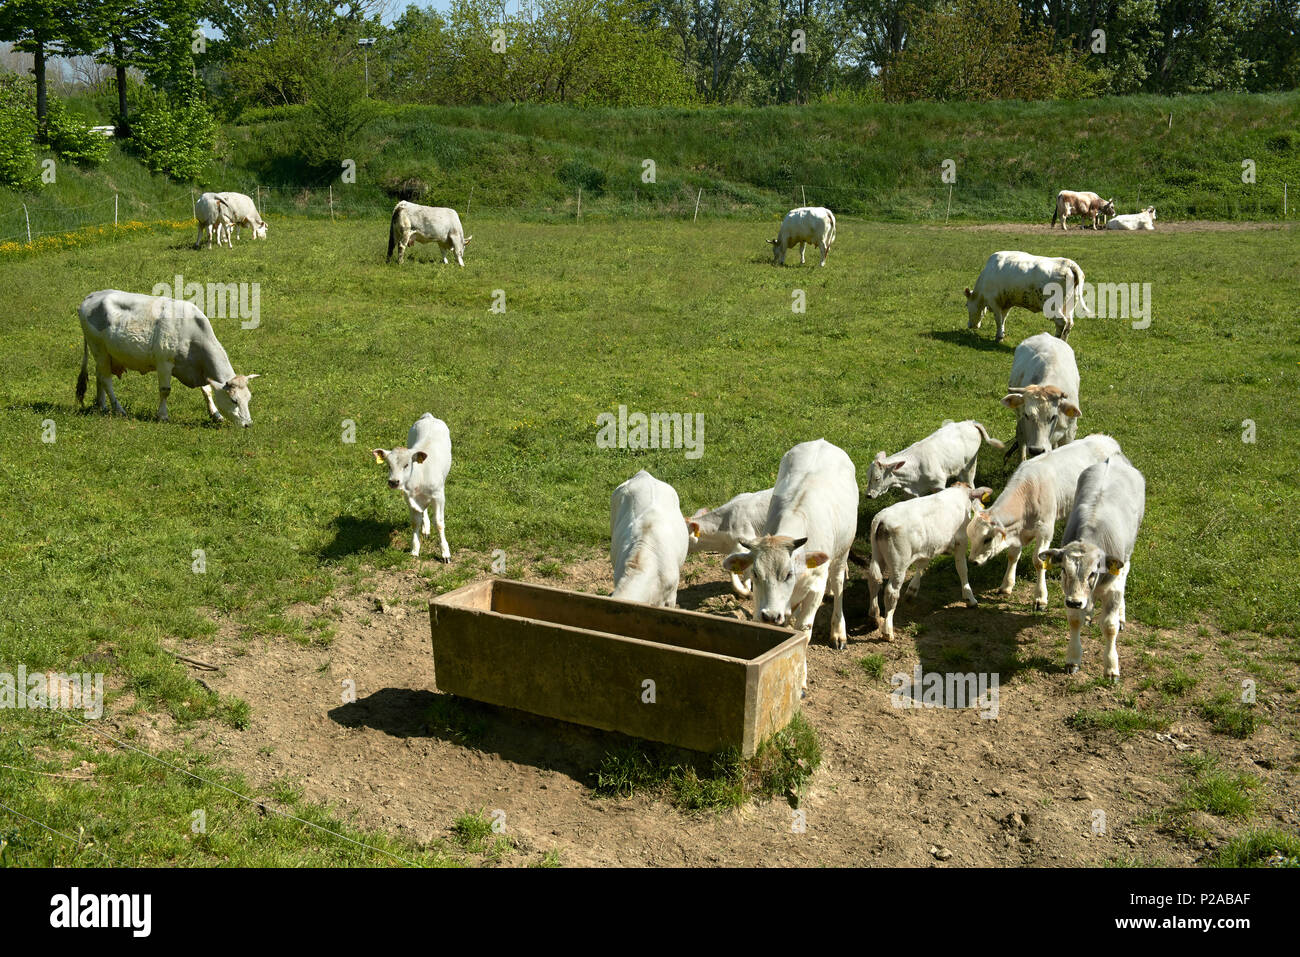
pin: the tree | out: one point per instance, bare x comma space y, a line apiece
46, 28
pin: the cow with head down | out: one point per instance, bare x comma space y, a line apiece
1087, 205
807, 224
1044, 392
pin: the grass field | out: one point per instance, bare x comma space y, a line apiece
102, 523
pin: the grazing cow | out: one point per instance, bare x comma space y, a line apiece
725, 527
244, 213
413, 223
1038, 494
804, 550
1044, 392
170, 337
224, 213
1143, 220
1088, 205
648, 540
951, 451
807, 224
1038, 283
419, 471
1096, 550
907, 536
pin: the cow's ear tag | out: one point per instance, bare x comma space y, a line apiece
1048, 564
378, 458
1113, 566
985, 497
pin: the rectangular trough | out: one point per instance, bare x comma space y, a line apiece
717, 682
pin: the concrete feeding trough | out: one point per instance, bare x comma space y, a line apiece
681, 677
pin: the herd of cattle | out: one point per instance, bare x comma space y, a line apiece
789, 546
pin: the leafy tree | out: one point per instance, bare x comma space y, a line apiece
46, 28
18, 169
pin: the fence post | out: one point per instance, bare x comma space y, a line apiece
469, 202
1284, 200
115, 209
804, 194
949, 212
331, 202
27, 219
259, 199
697, 204
579, 204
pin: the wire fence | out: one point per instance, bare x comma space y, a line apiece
27, 223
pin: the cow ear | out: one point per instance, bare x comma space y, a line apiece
1050, 559
420, 456
982, 493
895, 466
814, 559
738, 561
214, 384
381, 455
693, 528
969, 294
798, 543
1071, 410
1013, 400
1114, 565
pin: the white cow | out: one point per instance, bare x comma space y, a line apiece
1044, 392
907, 536
1046, 284
1096, 552
804, 550
807, 224
221, 214
243, 212
1038, 495
951, 451
419, 471
413, 223
648, 540
1143, 220
170, 337
723, 529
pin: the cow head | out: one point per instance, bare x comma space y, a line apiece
778, 251
232, 398
259, 230
987, 536
1038, 410
1108, 207
697, 539
883, 475
973, 307
783, 573
1082, 565
1151, 211
401, 463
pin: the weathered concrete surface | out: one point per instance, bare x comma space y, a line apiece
717, 682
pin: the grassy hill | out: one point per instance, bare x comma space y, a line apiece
878, 161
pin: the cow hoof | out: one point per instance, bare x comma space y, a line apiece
972, 603
1071, 669
1040, 605
445, 559
803, 693
1113, 679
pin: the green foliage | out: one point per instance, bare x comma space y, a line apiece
577, 173
72, 139
1268, 848
18, 166
337, 112
1125, 722
1228, 715
175, 139
1214, 791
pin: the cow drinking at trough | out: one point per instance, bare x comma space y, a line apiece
1143, 220
1087, 205
907, 536
1038, 283
1096, 551
1038, 495
723, 529
419, 471
951, 451
412, 223
807, 224
804, 549
170, 337
1044, 392
648, 540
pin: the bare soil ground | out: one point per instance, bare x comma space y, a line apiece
912, 787
1162, 226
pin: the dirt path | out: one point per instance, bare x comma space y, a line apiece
1162, 226
894, 783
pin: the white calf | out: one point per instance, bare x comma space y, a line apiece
725, 527
951, 451
419, 471
647, 540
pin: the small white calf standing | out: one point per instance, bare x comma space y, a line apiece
413, 223
648, 540
907, 536
1096, 554
419, 471
951, 451
723, 529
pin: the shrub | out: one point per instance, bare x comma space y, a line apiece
174, 139
18, 168
71, 139
579, 174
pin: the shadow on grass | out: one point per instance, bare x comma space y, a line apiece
971, 339
357, 536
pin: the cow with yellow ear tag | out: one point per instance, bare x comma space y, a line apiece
1094, 561
419, 471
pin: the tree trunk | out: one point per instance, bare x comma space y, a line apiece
38, 68
123, 117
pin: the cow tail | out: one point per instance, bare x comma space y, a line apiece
984, 433
1056, 212
392, 234
82, 379
832, 238
1079, 297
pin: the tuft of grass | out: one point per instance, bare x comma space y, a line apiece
1218, 792
1125, 722
873, 666
1268, 848
473, 831
784, 762
1228, 715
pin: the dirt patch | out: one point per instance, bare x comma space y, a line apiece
1162, 226
917, 787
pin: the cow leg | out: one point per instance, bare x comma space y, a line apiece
738, 586
1074, 657
418, 519
212, 406
164, 371
198, 242
969, 477
826, 251
1042, 540
1009, 580
914, 585
802, 246
101, 377
959, 559
839, 630
1001, 315
104, 381
1112, 605
439, 519
874, 581
892, 590
401, 250
460, 255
